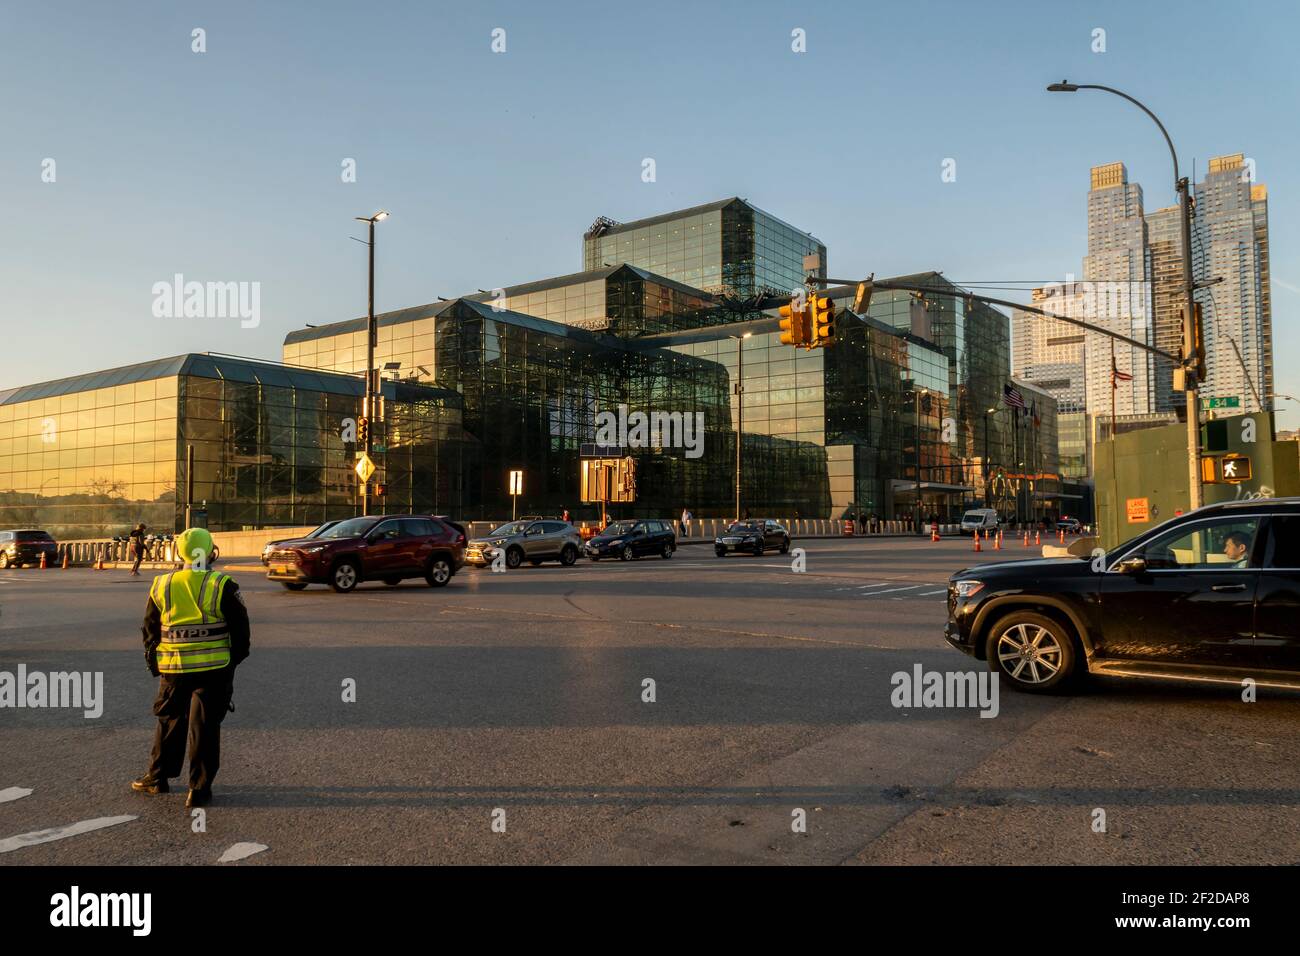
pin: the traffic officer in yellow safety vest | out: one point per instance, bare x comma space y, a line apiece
196, 633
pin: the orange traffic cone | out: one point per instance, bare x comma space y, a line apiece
65, 559
99, 562
44, 565
1060, 535
977, 541
1037, 538
997, 542
934, 535
1026, 539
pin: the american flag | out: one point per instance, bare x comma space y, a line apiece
1011, 397
1116, 375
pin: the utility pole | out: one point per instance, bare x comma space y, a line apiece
368, 405
740, 407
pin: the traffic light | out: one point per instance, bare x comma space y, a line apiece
1209, 471
381, 488
862, 299
823, 320
795, 329
363, 430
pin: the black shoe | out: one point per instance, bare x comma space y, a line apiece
150, 784
198, 798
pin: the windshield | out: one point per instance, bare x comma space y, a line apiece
621, 527
512, 528
317, 532
746, 526
32, 536
352, 528
974, 516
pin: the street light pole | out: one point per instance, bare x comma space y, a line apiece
987, 497
372, 335
740, 407
916, 397
1190, 331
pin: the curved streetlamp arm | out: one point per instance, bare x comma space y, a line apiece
1155, 119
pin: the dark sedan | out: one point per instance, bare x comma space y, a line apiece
1213, 595
752, 536
637, 538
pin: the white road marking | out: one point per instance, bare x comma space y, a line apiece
928, 593
14, 793
12, 843
242, 850
910, 587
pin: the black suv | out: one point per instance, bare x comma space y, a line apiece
1213, 595
26, 547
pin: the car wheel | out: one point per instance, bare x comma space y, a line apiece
294, 585
569, 555
720, 552
439, 572
785, 545
626, 553
514, 557
1033, 652
344, 577
667, 552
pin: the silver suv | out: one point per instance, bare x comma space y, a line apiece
531, 541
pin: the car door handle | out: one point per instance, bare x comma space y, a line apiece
1228, 587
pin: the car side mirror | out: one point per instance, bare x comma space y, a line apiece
1132, 566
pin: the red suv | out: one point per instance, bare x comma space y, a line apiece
384, 548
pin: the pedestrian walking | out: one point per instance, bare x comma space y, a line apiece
196, 632
686, 522
136, 539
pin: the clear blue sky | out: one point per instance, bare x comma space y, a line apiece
226, 165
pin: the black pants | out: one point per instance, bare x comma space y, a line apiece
139, 556
190, 707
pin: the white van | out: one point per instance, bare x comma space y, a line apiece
979, 519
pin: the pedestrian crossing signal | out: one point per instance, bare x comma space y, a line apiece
1236, 468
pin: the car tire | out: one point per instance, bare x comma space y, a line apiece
667, 551
626, 553
345, 577
785, 545
720, 552
1050, 666
439, 572
294, 585
514, 557
569, 556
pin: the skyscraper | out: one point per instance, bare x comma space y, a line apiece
1168, 296
1230, 249
1116, 274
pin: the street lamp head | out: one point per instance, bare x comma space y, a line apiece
991, 411
1065, 86
381, 215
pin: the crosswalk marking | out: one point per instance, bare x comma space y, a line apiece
910, 587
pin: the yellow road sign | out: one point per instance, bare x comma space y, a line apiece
365, 467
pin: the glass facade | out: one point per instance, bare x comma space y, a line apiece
93, 455
726, 247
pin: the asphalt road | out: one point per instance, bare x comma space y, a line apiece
523, 692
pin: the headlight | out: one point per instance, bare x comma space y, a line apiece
316, 550
968, 588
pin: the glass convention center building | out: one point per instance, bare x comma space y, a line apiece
903, 414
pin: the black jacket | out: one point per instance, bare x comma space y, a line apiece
232, 609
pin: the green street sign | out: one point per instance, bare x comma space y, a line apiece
1222, 401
